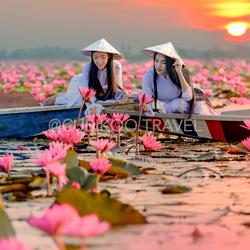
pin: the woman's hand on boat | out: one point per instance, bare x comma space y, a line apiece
51, 100
145, 108
126, 95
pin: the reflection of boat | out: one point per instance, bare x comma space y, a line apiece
30, 121
224, 127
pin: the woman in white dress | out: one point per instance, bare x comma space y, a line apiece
169, 82
102, 73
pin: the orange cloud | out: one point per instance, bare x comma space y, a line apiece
199, 14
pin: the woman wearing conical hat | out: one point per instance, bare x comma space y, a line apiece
102, 73
169, 82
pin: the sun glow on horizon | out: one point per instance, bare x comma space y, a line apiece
236, 29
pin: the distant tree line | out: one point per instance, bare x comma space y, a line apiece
72, 53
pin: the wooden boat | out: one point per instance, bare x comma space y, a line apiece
30, 121
224, 127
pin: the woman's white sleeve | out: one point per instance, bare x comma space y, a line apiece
188, 94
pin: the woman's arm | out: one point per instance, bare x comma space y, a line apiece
178, 67
147, 87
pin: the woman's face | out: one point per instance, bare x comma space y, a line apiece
100, 59
160, 65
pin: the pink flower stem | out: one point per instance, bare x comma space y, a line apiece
59, 242
83, 245
48, 182
119, 140
98, 179
58, 185
96, 122
83, 101
138, 130
9, 174
98, 154
102, 155
88, 139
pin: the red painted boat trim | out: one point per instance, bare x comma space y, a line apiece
157, 124
216, 130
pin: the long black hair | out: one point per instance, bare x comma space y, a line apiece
94, 81
197, 93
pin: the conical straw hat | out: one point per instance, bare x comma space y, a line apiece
166, 49
103, 46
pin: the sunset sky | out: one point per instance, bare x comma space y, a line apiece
190, 24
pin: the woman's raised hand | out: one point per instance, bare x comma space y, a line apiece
178, 65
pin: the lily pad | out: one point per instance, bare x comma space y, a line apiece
113, 170
71, 159
80, 175
176, 190
206, 157
84, 164
108, 209
131, 169
6, 229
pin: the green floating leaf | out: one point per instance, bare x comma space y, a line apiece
131, 169
6, 229
38, 182
108, 209
71, 159
206, 157
118, 150
113, 170
84, 164
81, 176
176, 190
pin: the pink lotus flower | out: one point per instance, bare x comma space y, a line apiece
6, 163
19, 147
242, 100
59, 171
149, 142
233, 99
75, 185
35, 91
52, 135
120, 118
55, 219
97, 119
114, 126
128, 85
13, 244
40, 78
48, 88
39, 97
88, 128
246, 143
247, 123
144, 98
55, 153
58, 149
101, 166
208, 92
70, 135
9, 85
88, 225
103, 145
86, 92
